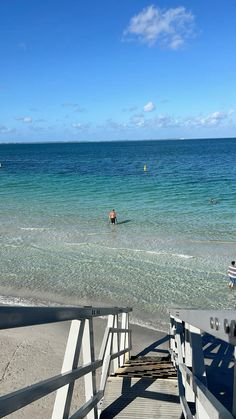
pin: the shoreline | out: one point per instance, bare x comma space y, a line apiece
21, 300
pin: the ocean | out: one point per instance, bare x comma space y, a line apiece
175, 237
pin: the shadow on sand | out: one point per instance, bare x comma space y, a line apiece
156, 348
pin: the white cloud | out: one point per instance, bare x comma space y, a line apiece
149, 107
5, 130
213, 119
170, 27
25, 119
80, 126
168, 121
110, 124
137, 120
142, 121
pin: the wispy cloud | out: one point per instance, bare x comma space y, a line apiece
137, 120
143, 121
113, 125
213, 119
5, 130
25, 119
80, 126
169, 27
203, 121
149, 107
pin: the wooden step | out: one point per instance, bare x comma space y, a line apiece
147, 368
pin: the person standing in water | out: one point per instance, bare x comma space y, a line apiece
232, 274
112, 216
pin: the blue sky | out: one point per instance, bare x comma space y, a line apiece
117, 70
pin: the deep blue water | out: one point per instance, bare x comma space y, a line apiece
171, 248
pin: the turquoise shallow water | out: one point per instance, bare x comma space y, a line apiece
171, 247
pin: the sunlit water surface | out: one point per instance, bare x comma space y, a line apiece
170, 248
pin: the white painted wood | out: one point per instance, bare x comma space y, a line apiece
201, 411
207, 405
89, 356
205, 400
178, 339
14, 401
64, 394
106, 351
198, 365
172, 337
63, 384
210, 321
106, 362
128, 343
115, 344
123, 339
189, 394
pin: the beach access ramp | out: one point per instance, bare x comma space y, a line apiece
188, 373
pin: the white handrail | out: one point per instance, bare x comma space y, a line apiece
80, 336
21, 398
186, 330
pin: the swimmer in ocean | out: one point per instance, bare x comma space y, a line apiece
213, 201
112, 216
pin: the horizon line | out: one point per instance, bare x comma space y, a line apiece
112, 141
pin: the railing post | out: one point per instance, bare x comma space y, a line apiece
198, 365
179, 340
173, 342
107, 347
89, 356
124, 340
115, 344
189, 393
64, 395
172, 338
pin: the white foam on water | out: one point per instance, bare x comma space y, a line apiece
214, 241
10, 245
34, 228
98, 234
16, 301
153, 252
77, 244
182, 256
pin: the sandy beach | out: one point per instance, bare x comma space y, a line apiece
32, 354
